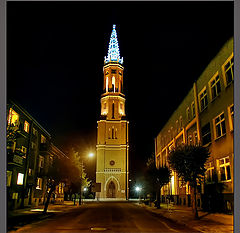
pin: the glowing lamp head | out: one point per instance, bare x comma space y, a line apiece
84, 189
138, 189
91, 155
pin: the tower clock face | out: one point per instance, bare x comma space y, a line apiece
112, 162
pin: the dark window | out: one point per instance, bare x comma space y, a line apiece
113, 71
206, 134
229, 71
113, 110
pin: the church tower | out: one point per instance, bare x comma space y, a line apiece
112, 130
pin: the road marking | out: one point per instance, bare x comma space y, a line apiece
98, 229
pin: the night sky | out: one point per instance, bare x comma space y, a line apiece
55, 55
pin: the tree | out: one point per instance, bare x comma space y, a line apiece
157, 177
57, 172
80, 179
188, 161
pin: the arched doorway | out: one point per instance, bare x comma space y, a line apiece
111, 191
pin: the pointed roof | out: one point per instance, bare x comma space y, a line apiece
113, 49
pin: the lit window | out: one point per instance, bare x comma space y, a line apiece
106, 84
13, 117
206, 134
26, 126
193, 109
41, 161
43, 139
39, 183
228, 70
225, 171
219, 123
231, 117
20, 179
209, 172
203, 102
215, 87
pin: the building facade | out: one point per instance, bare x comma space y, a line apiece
205, 117
112, 128
29, 155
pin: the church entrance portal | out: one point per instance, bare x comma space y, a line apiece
111, 192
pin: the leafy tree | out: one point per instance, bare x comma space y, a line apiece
80, 179
157, 177
58, 171
188, 161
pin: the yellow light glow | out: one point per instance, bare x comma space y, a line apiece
13, 117
26, 126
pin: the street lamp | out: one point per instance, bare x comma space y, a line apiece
84, 189
138, 190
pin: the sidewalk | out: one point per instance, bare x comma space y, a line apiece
208, 222
19, 217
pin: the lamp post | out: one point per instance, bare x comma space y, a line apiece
138, 190
81, 177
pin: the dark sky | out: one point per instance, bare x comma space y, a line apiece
55, 54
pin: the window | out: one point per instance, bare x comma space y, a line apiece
112, 132
195, 138
190, 141
209, 172
231, 117
43, 139
34, 131
106, 84
188, 113
33, 145
215, 87
30, 171
206, 134
113, 71
9, 178
13, 117
39, 183
113, 84
116, 133
20, 179
219, 123
26, 126
113, 110
24, 149
228, 70
224, 167
193, 109
41, 161
203, 102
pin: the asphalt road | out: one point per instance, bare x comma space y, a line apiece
105, 217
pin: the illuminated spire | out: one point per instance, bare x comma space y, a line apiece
113, 49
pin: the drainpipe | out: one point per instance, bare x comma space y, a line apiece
197, 112
26, 165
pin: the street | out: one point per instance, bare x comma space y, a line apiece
105, 217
